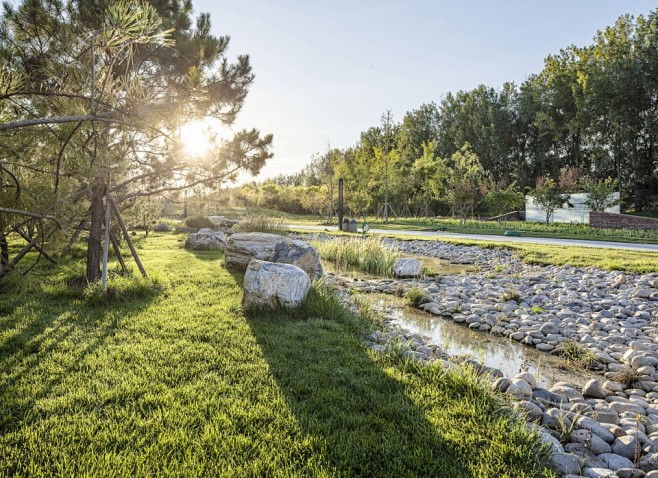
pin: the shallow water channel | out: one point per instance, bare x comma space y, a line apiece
493, 351
458, 340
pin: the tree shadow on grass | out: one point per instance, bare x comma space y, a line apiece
358, 416
60, 333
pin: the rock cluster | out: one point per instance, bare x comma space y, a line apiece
222, 223
609, 427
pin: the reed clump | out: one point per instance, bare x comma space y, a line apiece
370, 255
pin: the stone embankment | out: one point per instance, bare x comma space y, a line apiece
607, 428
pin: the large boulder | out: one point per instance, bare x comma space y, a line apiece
206, 240
407, 267
242, 247
268, 285
162, 227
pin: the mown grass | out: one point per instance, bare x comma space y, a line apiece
528, 229
174, 380
369, 255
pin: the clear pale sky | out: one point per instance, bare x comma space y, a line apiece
325, 71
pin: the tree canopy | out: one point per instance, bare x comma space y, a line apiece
93, 94
591, 108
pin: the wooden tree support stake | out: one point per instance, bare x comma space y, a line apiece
127, 236
117, 251
74, 238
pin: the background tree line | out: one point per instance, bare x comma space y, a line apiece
589, 119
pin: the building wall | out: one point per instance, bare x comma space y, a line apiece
605, 220
579, 213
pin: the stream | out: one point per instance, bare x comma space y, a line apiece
493, 351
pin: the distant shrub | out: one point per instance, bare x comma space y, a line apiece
199, 222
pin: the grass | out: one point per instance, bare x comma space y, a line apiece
528, 229
511, 295
641, 262
262, 224
369, 255
575, 353
174, 380
628, 377
414, 296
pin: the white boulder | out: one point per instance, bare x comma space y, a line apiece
206, 240
407, 267
268, 285
162, 227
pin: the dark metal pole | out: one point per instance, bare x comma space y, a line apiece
340, 204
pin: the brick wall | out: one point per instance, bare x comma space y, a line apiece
609, 220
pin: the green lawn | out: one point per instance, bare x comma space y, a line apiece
172, 379
528, 229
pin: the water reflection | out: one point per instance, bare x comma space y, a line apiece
493, 351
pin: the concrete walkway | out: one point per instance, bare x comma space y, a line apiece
483, 237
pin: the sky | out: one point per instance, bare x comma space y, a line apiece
326, 71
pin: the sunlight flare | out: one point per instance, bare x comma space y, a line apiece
200, 137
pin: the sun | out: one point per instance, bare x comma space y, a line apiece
200, 137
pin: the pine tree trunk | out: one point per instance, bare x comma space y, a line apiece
4, 252
94, 245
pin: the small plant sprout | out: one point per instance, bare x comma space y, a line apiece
511, 295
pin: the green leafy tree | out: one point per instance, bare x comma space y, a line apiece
146, 211
548, 196
465, 181
601, 194
503, 200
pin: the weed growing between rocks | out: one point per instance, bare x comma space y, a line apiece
576, 354
414, 296
629, 378
511, 295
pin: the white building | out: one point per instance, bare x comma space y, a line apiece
579, 213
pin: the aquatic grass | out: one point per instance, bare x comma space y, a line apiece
414, 296
262, 224
370, 255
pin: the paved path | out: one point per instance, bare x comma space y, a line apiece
483, 237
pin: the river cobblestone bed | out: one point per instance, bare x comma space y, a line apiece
599, 423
